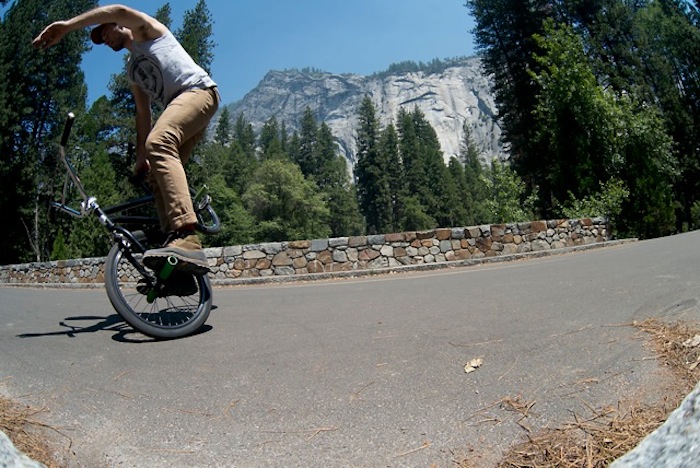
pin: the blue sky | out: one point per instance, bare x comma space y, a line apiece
358, 36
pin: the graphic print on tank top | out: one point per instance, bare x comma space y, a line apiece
145, 72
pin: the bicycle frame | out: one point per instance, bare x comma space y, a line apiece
164, 304
89, 204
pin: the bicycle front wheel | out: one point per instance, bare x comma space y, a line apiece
165, 317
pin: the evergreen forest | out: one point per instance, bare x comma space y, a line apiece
596, 99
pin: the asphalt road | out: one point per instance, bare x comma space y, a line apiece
362, 372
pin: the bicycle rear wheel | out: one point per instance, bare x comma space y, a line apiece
166, 317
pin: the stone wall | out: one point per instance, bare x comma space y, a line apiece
343, 254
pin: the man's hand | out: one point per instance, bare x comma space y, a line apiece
51, 35
142, 166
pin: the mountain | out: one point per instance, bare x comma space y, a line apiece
447, 93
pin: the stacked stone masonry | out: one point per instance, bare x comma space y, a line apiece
349, 253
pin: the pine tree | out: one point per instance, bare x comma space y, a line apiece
426, 174
389, 148
242, 162
668, 38
440, 192
476, 195
333, 181
195, 35
326, 174
222, 134
306, 157
270, 141
36, 91
460, 205
164, 15
371, 172
411, 158
571, 119
504, 38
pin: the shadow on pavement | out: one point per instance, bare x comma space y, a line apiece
112, 323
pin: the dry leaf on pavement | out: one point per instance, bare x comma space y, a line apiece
473, 365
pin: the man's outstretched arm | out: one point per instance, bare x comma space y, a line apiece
142, 26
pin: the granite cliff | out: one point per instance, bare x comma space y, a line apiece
448, 97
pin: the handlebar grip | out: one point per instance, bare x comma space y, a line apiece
67, 128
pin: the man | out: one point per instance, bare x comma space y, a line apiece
159, 71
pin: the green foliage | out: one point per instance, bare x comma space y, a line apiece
195, 35
423, 164
668, 35
237, 224
333, 180
650, 170
372, 172
473, 190
403, 183
242, 162
345, 218
504, 39
286, 205
607, 202
60, 249
695, 215
264, 195
611, 90
398, 191
222, 135
270, 142
414, 216
591, 134
574, 118
36, 91
408, 66
508, 201
164, 15
305, 157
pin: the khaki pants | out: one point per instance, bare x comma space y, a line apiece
169, 146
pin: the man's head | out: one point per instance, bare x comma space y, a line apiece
112, 34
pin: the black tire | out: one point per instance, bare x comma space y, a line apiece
166, 317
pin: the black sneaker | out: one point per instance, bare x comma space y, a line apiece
178, 284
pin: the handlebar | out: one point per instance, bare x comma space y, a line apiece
67, 128
88, 203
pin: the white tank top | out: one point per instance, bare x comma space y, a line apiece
163, 69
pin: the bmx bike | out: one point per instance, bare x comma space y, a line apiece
164, 304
